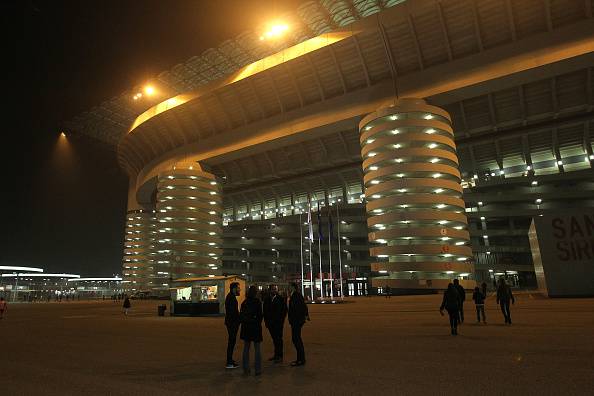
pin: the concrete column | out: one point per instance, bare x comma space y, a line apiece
189, 224
139, 235
414, 198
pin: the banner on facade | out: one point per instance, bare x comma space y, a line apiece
562, 246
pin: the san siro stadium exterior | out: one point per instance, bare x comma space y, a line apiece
422, 136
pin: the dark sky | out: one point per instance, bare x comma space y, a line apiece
64, 207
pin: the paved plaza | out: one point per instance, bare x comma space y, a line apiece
369, 346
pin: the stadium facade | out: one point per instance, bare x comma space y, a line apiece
428, 134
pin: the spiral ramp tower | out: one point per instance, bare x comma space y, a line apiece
189, 224
138, 263
416, 214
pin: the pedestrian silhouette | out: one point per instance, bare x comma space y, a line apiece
298, 313
479, 302
504, 296
462, 293
451, 302
275, 312
232, 322
251, 329
126, 305
3, 307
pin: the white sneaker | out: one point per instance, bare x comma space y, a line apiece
232, 366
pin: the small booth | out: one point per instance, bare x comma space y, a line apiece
203, 296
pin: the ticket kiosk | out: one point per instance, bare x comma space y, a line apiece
203, 296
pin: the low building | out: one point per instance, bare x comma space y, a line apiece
203, 296
30, 284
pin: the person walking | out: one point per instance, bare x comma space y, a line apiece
251, 329
275, 312
388, 292
504, 296
266, 296
298, 313
479, 302
462, 293
232, 322
484, 289
3, 307
451, 302
126, 305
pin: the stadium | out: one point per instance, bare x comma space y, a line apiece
372, 144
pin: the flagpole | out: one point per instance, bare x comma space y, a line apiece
320, 252
330, 253
339, 250
310, 238
301, 254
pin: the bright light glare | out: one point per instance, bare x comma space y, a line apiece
149, 90
275, 31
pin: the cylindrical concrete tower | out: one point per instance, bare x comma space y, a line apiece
138, 263
414, 197
140, 232
189, 224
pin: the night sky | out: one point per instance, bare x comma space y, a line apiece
64, 204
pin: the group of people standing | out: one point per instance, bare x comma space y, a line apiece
273, 312
455, 295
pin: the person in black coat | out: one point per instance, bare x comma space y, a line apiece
484, 289
275, 311
251, 329
232, 322
479, 302
451, 302
127, 305
462, 293
298, 313
504, 296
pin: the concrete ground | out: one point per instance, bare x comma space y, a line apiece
370, 346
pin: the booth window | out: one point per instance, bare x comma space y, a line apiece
206, 293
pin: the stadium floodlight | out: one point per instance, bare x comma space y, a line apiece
275, 31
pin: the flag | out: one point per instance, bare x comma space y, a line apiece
309, 224
320, 235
